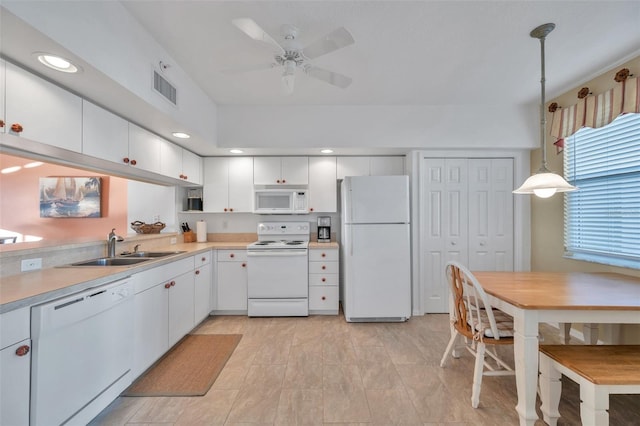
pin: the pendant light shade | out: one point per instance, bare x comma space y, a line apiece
543, 183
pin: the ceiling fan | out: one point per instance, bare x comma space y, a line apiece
291, 55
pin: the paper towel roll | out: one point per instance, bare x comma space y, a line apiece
201, 231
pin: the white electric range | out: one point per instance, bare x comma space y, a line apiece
278, 270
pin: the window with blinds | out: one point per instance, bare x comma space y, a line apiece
602, 218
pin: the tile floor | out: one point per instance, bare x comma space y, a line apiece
323, 370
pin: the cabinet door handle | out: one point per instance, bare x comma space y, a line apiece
323, 298
232, 255
244, 265
125, 160
323, 255
16, 127
1, 124
173, 283
203, 258
284, 181
324, 279
231, 209
167, 285
134, 162
197, 271
225, 209
278, 181
324, 267
22, 350
311, 209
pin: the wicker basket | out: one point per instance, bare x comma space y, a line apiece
147, 228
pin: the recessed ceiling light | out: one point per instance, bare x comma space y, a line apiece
57, 63
33, 164
181, 135
326, 151
10, 170
236, 151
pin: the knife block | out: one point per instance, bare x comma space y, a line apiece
189, 236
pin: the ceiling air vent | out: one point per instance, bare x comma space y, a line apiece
163, 87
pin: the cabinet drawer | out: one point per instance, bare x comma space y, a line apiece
232, 255
15, 326
323, 298
323, 267
323, 279
317, 255
202, 258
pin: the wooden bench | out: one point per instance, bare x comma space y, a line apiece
600, 370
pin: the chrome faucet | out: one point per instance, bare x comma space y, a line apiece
111, 242
136, 247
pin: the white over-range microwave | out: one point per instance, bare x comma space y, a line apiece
280, 201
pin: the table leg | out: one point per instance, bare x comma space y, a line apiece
590, 333
526, 362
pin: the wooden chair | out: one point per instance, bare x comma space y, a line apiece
474, 320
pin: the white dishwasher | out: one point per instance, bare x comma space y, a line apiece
81, 357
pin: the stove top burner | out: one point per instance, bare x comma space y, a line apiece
264, 243
294, 243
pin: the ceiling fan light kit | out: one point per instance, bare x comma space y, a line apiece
543, 183
291, 55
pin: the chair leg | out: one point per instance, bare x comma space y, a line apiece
450, 348
477, 375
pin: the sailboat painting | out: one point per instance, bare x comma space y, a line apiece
66, 197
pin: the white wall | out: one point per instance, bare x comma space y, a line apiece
151, 203
361, 126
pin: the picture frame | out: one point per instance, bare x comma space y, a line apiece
71, 197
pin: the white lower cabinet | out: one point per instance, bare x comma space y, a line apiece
323, 281
15, 367
231, 283
202, 286
164, 310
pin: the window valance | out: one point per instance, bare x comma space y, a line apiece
596, 110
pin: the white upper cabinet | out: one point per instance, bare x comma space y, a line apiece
228, 184
104, 135
46, 112
170, 159
323, 186
191, 167
144, 149
370, 166
280, 170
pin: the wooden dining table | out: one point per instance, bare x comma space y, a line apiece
555, 297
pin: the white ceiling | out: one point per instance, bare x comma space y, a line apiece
409, 57
405, 52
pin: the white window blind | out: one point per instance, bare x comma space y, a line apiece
602, 219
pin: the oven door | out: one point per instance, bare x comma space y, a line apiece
274, 274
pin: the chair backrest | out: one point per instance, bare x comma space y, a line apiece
471, 308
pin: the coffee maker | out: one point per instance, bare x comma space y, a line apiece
194, 199
324, 229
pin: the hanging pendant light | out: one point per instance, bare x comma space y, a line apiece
543, 183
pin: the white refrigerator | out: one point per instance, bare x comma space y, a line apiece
375, 251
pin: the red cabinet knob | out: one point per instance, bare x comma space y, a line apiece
231, 209
323, 255
197, 271
22, 350
324, 267
225, 209
134, 162
278, 181
311, 209
324, 298
203, 258
284, 181
1, 124
173, 283
125, 160
324, 279
244, 265
15, 127
167, 285
232, 255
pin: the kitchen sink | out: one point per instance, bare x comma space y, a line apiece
111, 261
150, 254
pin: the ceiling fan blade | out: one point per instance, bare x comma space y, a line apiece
333, 41
330, 77
249, 68
253, 30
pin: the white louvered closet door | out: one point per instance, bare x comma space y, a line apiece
444, 225
466, 215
